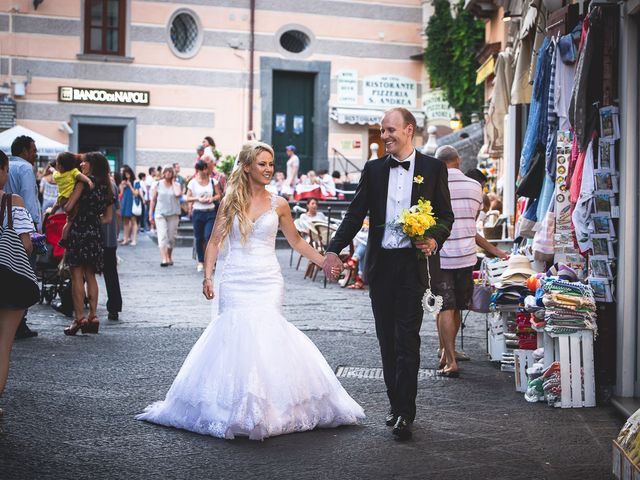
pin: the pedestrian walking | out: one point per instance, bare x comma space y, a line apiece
127, 194
397, 279
110, 270
141, 201
457, 259
22, 182
164, 213
11, 314
202, 192
252, 373
293, 167
85, 251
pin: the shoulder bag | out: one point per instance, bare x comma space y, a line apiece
481, 298
19, 283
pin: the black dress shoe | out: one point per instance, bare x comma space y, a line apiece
113, 316
402, 428
25, 332
391, 418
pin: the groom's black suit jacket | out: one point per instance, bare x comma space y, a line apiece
371, 198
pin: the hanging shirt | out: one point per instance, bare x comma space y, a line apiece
581, 216
563, 84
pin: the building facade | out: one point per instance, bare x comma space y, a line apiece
145, 81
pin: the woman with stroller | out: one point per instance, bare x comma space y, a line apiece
10, 315
85, 254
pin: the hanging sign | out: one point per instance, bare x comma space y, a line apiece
7, 113
389, 91
347, 87
436, 106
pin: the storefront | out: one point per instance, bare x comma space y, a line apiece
627, 285
113, 135
571, 143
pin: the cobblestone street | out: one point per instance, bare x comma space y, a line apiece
70, 401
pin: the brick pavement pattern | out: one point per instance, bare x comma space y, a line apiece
70, 401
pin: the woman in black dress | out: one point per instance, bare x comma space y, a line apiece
84, 253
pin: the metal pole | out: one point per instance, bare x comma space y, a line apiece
252, 44
328, 237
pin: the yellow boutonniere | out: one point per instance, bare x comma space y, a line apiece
418, 179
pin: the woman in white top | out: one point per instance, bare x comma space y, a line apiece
312, 214
10, 315
164, 213
202, 191
209, 154
48, 189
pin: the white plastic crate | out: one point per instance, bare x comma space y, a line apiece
577, 375
494, 269
523, 360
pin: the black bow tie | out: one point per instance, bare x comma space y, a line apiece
393, 163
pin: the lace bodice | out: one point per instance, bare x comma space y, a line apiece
262, 239
248, 274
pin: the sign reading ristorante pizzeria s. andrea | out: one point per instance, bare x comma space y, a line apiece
103, 95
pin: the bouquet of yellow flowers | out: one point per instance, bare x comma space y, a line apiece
418, 222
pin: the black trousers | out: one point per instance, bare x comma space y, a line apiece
111, 280
396, 290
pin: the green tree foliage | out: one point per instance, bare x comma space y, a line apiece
452, 43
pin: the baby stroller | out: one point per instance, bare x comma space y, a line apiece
52, 277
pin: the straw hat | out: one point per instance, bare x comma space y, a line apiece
518, 265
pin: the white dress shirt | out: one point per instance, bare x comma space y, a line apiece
398, 198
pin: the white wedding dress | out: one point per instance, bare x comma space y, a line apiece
252, 373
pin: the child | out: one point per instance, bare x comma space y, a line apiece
66, 176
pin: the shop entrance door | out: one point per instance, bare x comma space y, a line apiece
374, 137
293, 117
105, 139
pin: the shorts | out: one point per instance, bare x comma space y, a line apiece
456, 288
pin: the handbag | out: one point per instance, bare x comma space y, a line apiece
19, 283
136, 208
481, 297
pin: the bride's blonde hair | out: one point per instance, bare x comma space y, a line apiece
237, 198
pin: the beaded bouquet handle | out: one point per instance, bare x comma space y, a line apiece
431, 303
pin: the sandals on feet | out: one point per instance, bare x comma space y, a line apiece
448, 373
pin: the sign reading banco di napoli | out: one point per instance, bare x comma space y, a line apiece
102, 95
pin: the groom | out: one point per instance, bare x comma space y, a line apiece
396, 274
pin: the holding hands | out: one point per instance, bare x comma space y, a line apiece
332, 266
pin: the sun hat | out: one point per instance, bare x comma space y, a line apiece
518, 265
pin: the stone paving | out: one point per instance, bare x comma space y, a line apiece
70, 401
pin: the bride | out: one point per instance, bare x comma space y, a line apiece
252, 373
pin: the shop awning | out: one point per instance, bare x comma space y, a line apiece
485, 70
365, 116
46, 146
